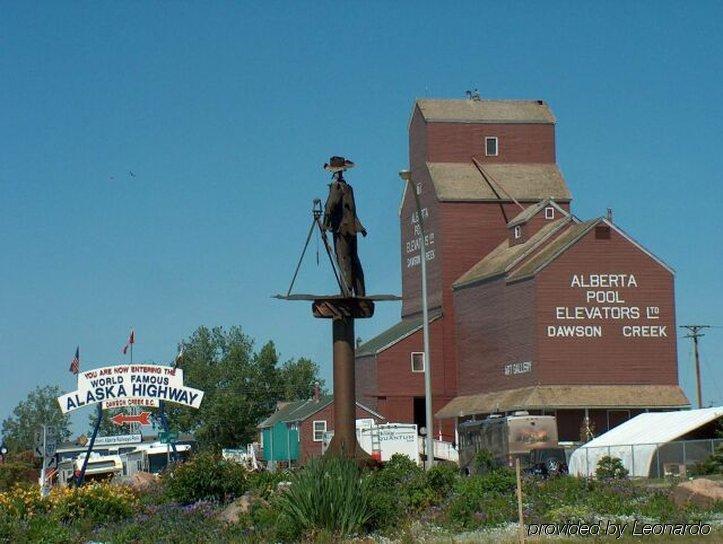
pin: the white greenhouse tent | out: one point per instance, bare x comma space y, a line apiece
639, 441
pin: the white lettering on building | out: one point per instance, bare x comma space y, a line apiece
602, 300
413, 246
518, 368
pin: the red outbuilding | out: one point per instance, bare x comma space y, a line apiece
530, 307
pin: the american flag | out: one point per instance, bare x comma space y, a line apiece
179, 357
75, 362
131, 341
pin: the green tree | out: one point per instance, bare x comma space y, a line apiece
241, 386
298, 377
40, 407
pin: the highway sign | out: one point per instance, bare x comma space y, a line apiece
168, 437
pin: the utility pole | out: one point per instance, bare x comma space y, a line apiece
43, 481
406, 175
694, 333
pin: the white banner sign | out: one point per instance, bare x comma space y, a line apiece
130, 385
120, 439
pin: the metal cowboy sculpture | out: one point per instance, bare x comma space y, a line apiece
340, 219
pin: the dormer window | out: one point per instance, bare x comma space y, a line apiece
491, 146
518, 232
550, 212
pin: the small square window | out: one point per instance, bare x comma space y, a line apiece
518, 232
417, 361
319, 430
550, 212
491, 147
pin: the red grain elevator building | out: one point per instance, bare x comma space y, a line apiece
530, 307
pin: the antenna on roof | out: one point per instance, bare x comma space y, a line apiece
473, 95
610, 215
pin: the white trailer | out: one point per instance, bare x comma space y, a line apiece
388, 439
384, 440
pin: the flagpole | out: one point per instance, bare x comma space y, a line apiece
134, 410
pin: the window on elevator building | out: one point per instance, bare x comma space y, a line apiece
491, 146
417, 361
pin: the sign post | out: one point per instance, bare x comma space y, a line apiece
45, 446
81, 476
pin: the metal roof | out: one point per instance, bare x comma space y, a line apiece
525, 182
531, 211
485, 111
553, 250
393, 334
303, 409
566, 397
281, 413
636, 441
501, 259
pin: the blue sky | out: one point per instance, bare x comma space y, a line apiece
225, 112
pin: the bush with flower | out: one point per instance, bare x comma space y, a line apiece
96, 502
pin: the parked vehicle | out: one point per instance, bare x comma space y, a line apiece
531, 438
100, 467
384, 440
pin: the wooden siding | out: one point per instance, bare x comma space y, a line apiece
612, 358
517, 143
495, 327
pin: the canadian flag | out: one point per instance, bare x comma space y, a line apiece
131, 341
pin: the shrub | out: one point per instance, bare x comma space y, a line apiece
442, 477
205, 477
711, 465
484, 500
400, 487
485, 462
329, 494
548, 496
478, 503
610, 468
23, 501
15, 472
97, 502
264, 484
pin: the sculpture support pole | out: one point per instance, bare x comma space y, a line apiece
344, 442
342, 311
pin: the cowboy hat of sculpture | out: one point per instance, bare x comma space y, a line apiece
338, 164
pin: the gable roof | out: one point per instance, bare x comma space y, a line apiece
554, 249
303, 409
567, 240
485, 111
524, 182
281, 413
397, 332
504, 257
531, 211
